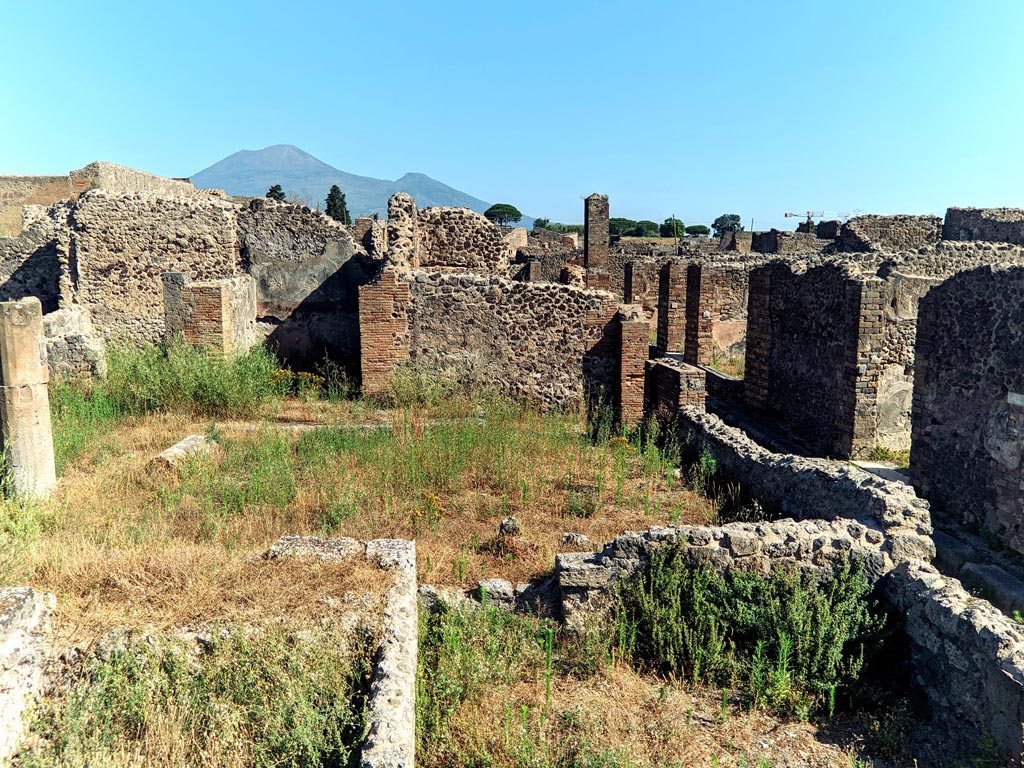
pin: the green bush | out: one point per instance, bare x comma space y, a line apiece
798, 646
252, 699
181, 377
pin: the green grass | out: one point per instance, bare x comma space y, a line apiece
250, 699
798, 647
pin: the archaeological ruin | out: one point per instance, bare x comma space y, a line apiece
797, 361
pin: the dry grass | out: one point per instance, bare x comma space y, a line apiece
124, 542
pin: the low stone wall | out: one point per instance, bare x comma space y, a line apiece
1001, 225
391, 708
462, 239
671, 385
965, 655
889, 233
810, 489
586, 579
73, 347
24, 652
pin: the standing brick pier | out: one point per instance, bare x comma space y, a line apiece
595, 241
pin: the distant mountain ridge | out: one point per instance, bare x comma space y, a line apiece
252, 172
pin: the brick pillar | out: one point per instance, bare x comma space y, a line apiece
759, 339
632, 358
701, 315
383, 330
25, 401
627, 283
218, 314
595, 241
857, 409
671, 307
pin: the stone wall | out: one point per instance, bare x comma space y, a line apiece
307, 269
740, 242
715, 312
672, 384
461, 239
119, 246
25, 651
30, 263
542, 341
117, 179
968, 427
73, 347
595, 241
218, 314
1002, 225
889, 233
403, 231
19, 191
672, 294
783, 242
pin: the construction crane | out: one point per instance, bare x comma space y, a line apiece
812, 215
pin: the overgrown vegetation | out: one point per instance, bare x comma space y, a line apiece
899, 458
249, 698
799, 647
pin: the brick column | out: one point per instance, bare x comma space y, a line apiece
25, 400
217, 314
671, 307
633, 351
383, 330
857, 416
595, 241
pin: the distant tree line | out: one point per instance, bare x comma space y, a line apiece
671, 227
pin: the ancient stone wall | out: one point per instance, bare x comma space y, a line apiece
740, 242
218, 314
889, 233
119, 246
801, 343
968, 425
403, 231
787, 243
1001, 225
117, 179
672, 294
73, 347
29, 263
715, 312
595, 241
542, 341
16, 192
307, 270
671, 385
462, 239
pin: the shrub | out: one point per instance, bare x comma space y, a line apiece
796, 644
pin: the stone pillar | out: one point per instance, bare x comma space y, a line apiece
671, 307
25, 400
533, 271
857, 416
595, 241
759, 339
403, 231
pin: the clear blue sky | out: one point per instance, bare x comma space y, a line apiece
901, 106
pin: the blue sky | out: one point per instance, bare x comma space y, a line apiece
686, 108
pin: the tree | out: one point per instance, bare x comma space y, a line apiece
541, 223
619, 226
646, 229
503, 213
337, 208
276, 193
698, 229
672, 227
727, 222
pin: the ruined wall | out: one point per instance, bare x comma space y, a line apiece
218, 314
715, 312
671, 385
1002, 225
117, 179
802, 331
537, 340
783, 242
968, 408
403, 240
672, 293
19, 191
740, 242
30, 264
595, 241
889, 233
462, 239
307, 270
119, 246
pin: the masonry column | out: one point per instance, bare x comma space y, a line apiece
595, 241
632, 359
24, 400
759, 339
671, 307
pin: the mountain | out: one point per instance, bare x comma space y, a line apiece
251, 173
